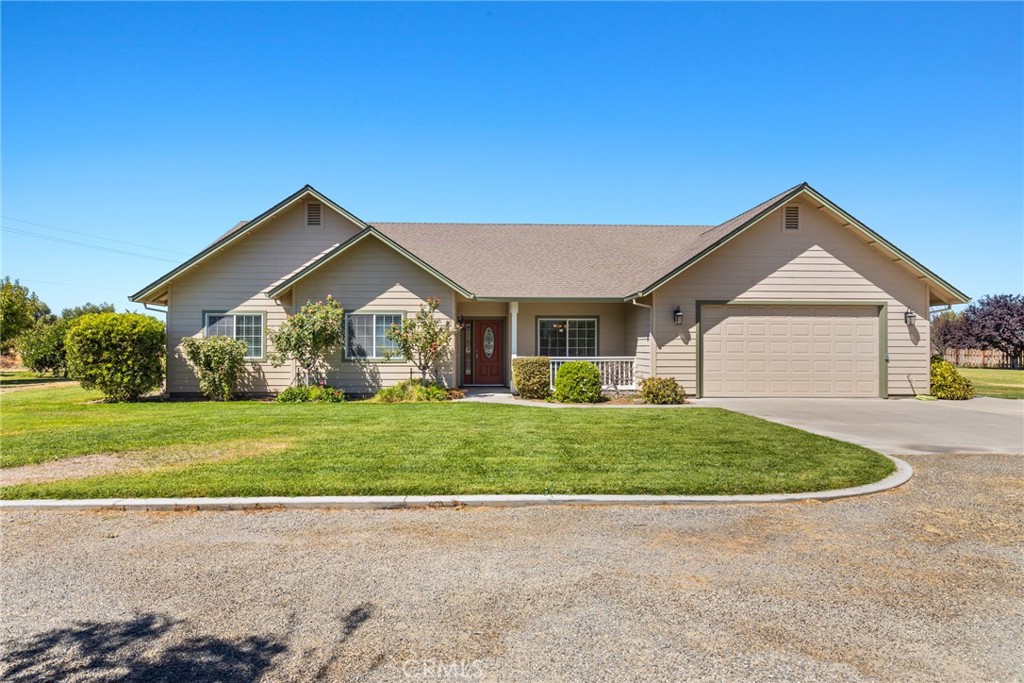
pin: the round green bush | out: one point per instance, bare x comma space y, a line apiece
217, 363
577, 381
949, 384
121, 354
531, 376
662, 391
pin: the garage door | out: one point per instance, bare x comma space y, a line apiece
790, 350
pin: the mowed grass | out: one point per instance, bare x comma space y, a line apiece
446, 448
995, 382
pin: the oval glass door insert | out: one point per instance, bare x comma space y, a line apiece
489, 342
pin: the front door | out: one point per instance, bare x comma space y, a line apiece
488, 351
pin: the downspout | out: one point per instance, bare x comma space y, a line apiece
651, 346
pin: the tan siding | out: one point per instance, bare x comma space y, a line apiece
373, 277
822, 261
637, 343
236, 279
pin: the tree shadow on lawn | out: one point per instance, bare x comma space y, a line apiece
150, 648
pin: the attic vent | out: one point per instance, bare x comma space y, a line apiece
313, 215
792, 218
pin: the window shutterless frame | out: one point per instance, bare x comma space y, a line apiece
571, 336
246, 326
370, 330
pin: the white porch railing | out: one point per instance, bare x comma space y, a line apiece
617, 372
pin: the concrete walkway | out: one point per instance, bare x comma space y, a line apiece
894, 427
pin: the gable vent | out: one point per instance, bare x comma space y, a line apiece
792, 218
313, 211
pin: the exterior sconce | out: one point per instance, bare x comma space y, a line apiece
910, 317
677, 316
461, 320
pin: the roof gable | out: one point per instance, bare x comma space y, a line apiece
340, 249
717, 237
146, 294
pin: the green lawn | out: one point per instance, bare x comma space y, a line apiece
994, 382
249, 448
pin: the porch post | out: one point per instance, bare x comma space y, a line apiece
513, 323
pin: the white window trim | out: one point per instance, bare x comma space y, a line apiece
597, 332
232, 314
374, 357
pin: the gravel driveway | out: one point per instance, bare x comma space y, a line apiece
922, 583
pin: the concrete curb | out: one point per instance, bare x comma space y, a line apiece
901, 476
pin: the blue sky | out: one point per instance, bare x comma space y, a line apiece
162, 125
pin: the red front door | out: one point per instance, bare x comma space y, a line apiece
488, 351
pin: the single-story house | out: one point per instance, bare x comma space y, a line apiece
794, 297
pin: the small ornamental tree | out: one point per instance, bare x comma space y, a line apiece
217, 362
997, 322
422, 340
307, 337
121, 354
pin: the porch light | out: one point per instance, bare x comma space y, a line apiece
461, 320
677, 316
910, 317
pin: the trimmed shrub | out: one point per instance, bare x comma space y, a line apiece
217, 362
531, 376
949, 384
311, 394
577, 381
121, 354
662, 391
42, 347
413, 391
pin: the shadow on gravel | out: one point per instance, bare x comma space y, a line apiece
149, 647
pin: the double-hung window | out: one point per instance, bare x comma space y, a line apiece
364, 333
245, 327
567, 337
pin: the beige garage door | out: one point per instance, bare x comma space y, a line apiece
790, 350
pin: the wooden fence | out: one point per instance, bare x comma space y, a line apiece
982, 358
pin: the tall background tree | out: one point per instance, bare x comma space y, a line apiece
42, 347
19, 310
996, 322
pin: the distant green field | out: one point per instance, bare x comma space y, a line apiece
995, 383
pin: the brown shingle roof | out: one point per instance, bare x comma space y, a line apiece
530, 260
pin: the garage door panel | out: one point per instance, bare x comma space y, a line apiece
827, 350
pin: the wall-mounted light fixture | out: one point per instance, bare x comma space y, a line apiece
910, 317
677, 316
461, 320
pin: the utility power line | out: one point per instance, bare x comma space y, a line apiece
99, 237
97, 247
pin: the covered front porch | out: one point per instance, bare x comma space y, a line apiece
612, 334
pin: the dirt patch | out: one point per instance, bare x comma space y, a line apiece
98, 464
8, 388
